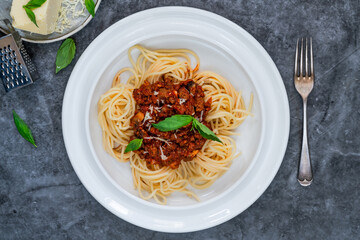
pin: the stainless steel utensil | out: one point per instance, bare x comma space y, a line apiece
16, 68
304, 83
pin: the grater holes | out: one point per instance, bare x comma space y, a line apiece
7, 79
2, 72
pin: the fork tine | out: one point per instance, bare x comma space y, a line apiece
306, 58
296, 58
311, 59
301, 57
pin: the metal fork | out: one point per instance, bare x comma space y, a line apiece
304, 83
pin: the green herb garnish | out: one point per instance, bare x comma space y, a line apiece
23, 128
177, 121
32, 4
65, 54
133, 145
90, 6
174, 122
205, 131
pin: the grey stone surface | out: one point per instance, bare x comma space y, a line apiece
42, 198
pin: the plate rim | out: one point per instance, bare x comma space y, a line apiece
218, 18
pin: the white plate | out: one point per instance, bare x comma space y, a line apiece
76, 25
224, 48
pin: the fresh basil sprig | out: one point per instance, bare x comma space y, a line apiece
90, 6
32, 4
133, 145
177, 121
174, 122
205, 131
23, 129
65, 54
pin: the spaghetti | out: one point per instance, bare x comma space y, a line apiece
117, 107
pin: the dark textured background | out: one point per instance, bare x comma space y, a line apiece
42, 198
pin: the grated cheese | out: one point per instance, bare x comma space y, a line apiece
156, 93
182, 100
157, 138
69, 11
147, 117
163, 157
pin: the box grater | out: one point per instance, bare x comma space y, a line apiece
16, 68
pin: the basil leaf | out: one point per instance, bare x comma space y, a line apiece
172, 123
34, 4
31, 15
23, 129
205, 131
65, 54
90, 6
133, 145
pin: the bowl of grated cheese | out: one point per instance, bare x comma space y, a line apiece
72, 17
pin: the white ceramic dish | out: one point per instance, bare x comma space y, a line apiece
224, 48
77, 24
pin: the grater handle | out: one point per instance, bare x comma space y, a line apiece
31, 67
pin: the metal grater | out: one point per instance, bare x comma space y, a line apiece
16, 68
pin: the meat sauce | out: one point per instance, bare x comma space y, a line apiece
158, 101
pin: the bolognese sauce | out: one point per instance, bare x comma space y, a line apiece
158, 101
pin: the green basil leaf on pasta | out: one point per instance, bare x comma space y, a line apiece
23, 129
90, 6
65, 54
172, 123
205, 131
133, 145
32, 4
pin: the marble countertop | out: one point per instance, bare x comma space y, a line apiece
42, 198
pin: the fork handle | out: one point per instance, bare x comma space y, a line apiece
305, 176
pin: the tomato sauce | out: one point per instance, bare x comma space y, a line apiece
158, 101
